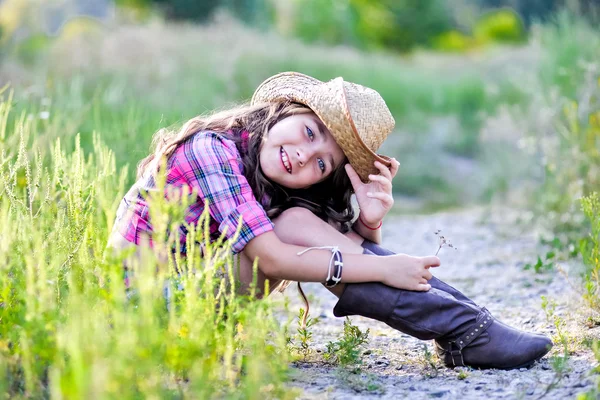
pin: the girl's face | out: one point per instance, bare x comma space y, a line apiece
299, 152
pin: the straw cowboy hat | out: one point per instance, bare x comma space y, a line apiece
356, 116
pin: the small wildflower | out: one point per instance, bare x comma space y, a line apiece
44, 114
183, 332
443, 241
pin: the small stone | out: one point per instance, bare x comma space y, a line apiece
367, 352
546, 367
412, 388
477, 387
530, 391
582, 384
440, 393
382, 362
522, 369
399, 367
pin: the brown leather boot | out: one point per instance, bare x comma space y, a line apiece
465, 334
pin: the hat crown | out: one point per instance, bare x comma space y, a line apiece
369, 113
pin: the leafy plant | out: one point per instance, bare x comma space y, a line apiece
429, 363
542, 265
590, 250
304, 333
347, 350
560, 363
595, 392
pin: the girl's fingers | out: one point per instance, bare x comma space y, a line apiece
354, 178
431, 261
395, 167
387, 184
384, 197
423, 287
427, 275
385, 171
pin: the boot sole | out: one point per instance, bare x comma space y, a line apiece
527, 365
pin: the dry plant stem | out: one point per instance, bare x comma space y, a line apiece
558, 376
566, 276
443, 242
305, 316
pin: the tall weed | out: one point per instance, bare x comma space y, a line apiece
590, 250
69, 327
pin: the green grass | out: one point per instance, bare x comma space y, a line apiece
68, 325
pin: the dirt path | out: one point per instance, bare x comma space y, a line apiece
488, 266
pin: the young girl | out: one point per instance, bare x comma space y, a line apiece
286, 165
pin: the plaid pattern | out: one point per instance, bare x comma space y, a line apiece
209, 165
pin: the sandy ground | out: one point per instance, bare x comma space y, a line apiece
493, 246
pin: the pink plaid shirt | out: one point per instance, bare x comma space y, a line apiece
210, 166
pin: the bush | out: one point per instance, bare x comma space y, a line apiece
502, 26
572, 45
189, 9
322, 21
453, 41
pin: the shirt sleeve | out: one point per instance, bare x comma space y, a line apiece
212, 165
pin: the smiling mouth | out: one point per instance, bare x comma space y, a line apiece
285, 160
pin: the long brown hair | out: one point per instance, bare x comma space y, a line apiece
329, 199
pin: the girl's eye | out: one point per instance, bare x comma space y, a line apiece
321, 165
310, 133
311, 136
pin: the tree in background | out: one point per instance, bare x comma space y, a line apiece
394, 24
188, 9
415, 22
397, 25
530, 10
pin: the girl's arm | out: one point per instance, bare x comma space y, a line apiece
279, 260
369, 234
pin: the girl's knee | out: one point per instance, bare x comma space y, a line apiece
296, 215
294, 225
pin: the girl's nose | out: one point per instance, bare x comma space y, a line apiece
301, 157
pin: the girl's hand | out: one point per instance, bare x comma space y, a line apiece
407, 272
375, 197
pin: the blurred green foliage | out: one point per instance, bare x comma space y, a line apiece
416, 22
189, 9
499, 26
137, 78
399, 25
453, 41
